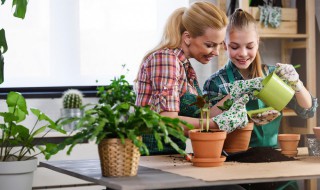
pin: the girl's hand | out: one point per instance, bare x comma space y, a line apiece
235, 117
265, 117
289, 75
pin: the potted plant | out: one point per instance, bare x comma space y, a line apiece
239, 139
116, 125
19, 144
72, 102
206, 144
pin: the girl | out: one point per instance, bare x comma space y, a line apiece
242, 42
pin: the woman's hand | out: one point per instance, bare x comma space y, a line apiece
289, 75
240, 87
235, 117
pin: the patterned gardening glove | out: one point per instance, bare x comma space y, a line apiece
289, 75
240, 87
235, 117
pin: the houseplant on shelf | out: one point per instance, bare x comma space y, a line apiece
18, 143
72, 103
116, 124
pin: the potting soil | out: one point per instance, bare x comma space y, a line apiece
258, 155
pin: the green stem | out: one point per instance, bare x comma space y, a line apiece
297, 66
201, 119
1, 150
208, 119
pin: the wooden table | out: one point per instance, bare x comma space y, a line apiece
160, 172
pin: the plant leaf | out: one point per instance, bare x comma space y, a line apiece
16, 100
3, 42
20, 7
42, 116
38, 131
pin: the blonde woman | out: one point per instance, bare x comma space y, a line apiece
166, 80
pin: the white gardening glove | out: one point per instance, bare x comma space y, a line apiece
289, 75
235, 117
240, 87
265, 117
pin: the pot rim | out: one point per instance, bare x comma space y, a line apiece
287, 137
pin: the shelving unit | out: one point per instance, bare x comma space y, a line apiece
305, 41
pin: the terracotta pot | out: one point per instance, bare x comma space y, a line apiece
316, 131
208, 162
239, 139
207, 144
289, 144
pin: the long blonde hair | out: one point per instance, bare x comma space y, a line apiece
241, 19
196, 19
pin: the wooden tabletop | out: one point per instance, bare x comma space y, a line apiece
159, 172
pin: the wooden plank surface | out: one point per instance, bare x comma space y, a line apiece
164, 172
147, 178
303, 168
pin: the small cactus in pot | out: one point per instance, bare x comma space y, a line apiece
72, 100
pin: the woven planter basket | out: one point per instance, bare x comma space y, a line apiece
118, 159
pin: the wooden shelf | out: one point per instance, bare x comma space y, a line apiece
288, 112
285, 36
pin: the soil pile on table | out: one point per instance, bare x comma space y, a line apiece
259, 154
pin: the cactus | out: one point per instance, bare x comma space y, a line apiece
72, 99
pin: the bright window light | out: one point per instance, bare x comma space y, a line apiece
79, 42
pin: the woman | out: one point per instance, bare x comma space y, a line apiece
242, 42
166, 80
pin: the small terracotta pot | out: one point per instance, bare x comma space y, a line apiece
239, 139
316, 131
207, 144
289, 144
290, 153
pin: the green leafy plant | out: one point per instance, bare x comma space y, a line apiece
18, 142
20, 9
226, 105
72, 99
116, 116
118, 91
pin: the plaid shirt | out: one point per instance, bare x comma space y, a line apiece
162, 80
215, 87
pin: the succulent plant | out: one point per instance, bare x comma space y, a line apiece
72, 99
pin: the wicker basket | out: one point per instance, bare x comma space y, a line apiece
118, 159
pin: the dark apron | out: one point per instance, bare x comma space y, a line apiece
185, 110
265, 135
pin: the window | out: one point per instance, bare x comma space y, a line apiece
79, 42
